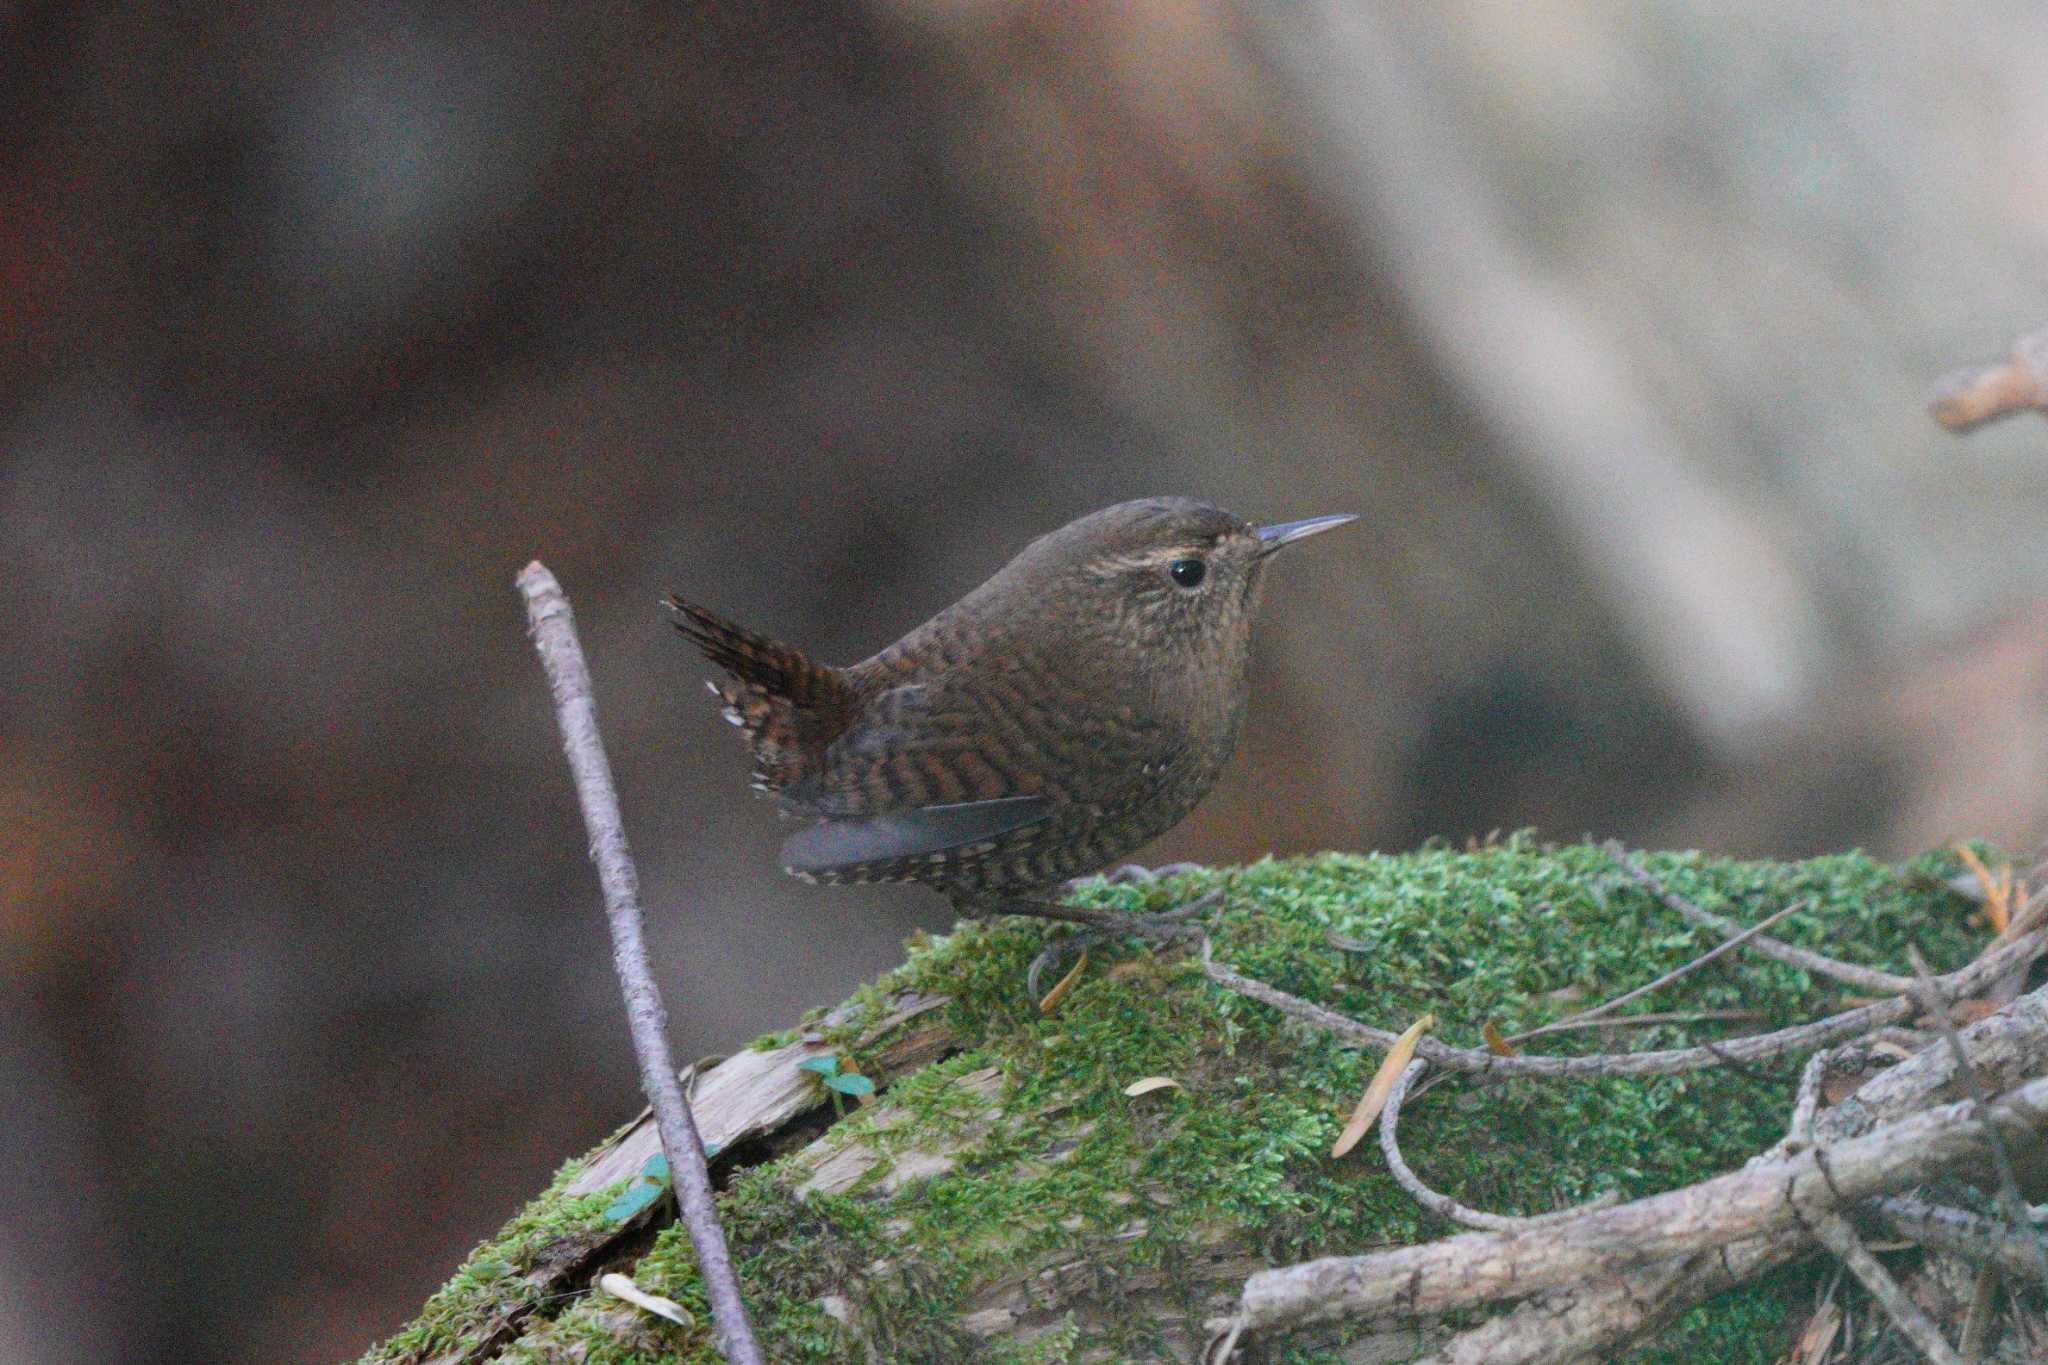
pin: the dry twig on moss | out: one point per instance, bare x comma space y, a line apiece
1820, 964
1657, 1256
554, 635
1600, 1011
1475, 1268
1835, 1028
1589, 1321
1436, 1201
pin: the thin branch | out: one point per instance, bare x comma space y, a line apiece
1820, 964
1757, 1047
1578, 1024
1439, 1203
2008, 1193
2004, 1048
554, 635
1805, 1105
1727, 946
1834, 1233
1977, 1316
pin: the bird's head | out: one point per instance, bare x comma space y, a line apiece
1169, 576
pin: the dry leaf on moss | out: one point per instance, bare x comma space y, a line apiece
622, 1286
1066, 983
1375, 1097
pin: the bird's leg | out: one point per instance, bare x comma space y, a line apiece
1167, 924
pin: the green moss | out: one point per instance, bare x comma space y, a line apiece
494, 1284
1064, 1170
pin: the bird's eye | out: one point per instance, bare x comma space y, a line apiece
1187, 573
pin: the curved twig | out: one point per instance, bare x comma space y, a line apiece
1105, 925
1441, 1204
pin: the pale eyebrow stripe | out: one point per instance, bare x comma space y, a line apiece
1116, 564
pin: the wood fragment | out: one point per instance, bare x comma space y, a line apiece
622, 1287
1957, 1232
1817, 1338
1970, 397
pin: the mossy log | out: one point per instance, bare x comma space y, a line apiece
1001, 1198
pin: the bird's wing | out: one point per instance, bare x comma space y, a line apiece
838, 846
935, 768
953, 741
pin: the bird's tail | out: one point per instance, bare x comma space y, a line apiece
789, 705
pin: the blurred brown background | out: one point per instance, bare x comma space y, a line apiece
317, 321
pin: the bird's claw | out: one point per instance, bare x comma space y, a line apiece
1104, 925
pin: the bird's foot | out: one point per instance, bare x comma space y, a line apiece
1167, 926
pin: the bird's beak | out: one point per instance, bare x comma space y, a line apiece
1272, 538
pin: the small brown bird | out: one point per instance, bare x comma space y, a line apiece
1067, 711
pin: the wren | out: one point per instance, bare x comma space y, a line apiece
1066, 712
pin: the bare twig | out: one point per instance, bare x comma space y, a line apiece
1757, 1047
554, 635
2011, 1203
1977, 1316
1579, 1024
1820, 964
1584, 1017
1834, 1233
1439, 1203
1477, 1267
1970, 397
1805, 1106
